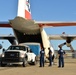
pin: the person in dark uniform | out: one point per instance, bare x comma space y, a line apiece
61, 57
50, 57
42, 54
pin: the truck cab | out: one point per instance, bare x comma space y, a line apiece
18, 54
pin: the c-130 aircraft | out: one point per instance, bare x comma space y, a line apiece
28, 30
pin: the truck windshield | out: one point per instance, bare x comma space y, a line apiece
17, 48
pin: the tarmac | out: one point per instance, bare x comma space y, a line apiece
69, 69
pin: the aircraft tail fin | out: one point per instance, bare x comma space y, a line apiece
24, 9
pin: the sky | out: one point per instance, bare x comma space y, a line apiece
42, 10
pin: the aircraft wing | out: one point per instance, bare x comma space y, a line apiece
9, 37
55, 23
62, 37
5, 24
23, 21
30, 26
66, 37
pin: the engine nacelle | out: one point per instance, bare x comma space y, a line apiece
68, 44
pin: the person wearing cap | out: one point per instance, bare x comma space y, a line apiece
61, 53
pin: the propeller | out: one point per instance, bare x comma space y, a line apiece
68, 45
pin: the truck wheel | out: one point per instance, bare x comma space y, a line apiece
2, 65
24, 62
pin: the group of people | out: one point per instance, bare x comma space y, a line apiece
61, 53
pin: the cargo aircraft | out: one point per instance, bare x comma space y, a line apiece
28, 30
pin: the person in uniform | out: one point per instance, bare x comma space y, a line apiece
50, 57
42, 54
61, 53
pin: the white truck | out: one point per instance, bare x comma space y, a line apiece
18, 54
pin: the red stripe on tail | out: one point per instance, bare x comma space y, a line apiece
27, 15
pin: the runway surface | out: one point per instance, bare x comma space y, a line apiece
69, 69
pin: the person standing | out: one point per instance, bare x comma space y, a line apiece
42, 54
61, 53
50, 57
